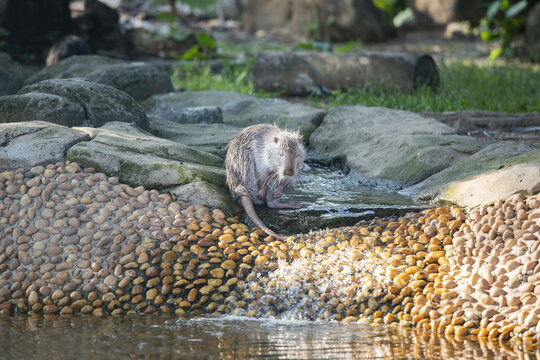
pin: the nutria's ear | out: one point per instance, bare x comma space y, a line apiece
276, 139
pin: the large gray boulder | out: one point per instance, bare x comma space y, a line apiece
212, 138
138, 158
71, 102
138, 79
28, 144
238, 109
11, 75
389, 148
493, 173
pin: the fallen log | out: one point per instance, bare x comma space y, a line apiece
303, 73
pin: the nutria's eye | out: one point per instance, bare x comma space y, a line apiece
276, 139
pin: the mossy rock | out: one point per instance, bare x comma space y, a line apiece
141, 169
390, 148
493, 173
212, 138
71, 102
28, 144
139, 80
128, 138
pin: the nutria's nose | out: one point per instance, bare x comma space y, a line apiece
288, 172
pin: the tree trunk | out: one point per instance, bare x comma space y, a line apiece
34, 25
303, 73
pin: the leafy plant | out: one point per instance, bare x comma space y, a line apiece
502, 22
392, 8
315, 46
205, 47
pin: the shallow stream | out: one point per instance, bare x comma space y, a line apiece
333, 200
165, 337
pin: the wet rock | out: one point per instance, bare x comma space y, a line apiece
204, 193
71, 102
27, 144
212, 138
11, 75
141, 169
128, 138
493, 173
193, 115
137, 79
361, 136
238, 109
302, 73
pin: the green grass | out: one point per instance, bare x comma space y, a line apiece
511, 88
190, 75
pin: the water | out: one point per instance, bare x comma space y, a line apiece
332, 200
165, 337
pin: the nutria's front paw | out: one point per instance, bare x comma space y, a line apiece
261, 194
278, 194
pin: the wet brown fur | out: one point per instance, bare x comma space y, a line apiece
261, 161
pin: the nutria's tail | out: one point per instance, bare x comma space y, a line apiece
247, 203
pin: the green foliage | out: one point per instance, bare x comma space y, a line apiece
349, 46
315, 46
205, 48
403, 17
464, 86
393, 9
503, 21
195, 76
327, 47
200, 4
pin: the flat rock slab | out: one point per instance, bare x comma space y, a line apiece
390, 148
238, 109
138, 158
493, 173
138, 79
28, 144
152, 172
71, 102
11, 75
128, 138
211, 138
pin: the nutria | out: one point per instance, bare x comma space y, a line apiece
261, 161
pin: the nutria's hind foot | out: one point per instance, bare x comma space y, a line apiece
282, 205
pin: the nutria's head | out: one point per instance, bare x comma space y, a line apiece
289, 154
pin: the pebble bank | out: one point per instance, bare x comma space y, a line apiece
76, 241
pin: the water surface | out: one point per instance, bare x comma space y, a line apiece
226, 337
